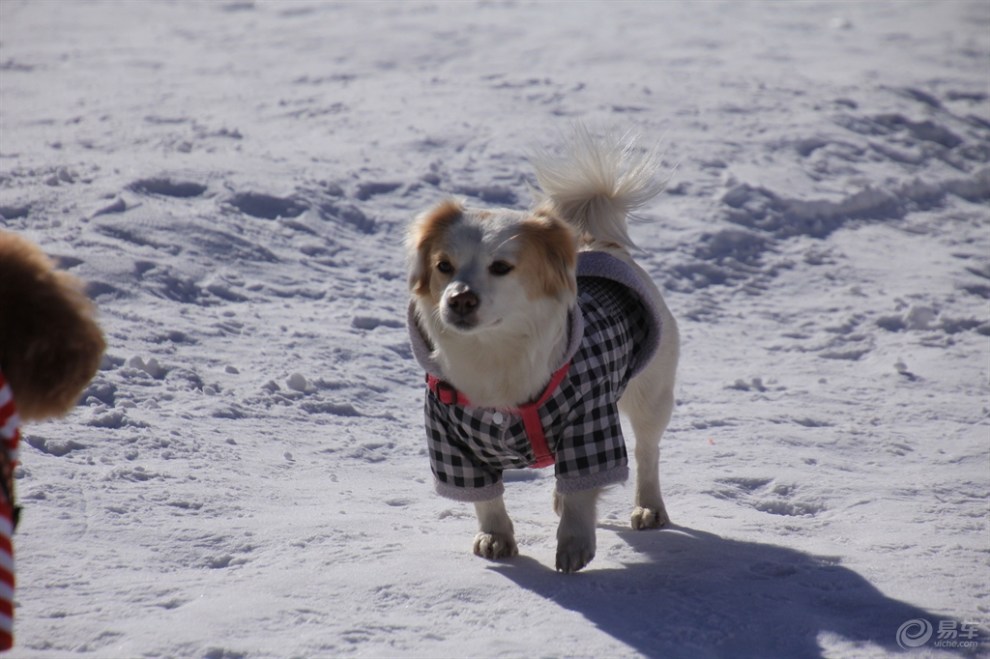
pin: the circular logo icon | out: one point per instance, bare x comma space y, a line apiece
914, 633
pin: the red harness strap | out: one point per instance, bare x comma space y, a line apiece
9, 439
530, 412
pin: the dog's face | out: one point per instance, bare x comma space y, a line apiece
477, 270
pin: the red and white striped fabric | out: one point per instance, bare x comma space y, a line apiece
9, 440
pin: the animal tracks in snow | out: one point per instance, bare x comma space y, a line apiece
938, 146
767, 496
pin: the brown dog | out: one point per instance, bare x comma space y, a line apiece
50, 348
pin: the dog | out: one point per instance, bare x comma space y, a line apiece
50, 348
535, 328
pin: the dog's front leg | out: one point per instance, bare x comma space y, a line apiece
495, 537
576, 532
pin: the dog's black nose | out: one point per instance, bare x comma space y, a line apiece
463, 303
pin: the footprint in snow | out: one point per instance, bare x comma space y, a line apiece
266, 207
764, 495
370, 323
167, 187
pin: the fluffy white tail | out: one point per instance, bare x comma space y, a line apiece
598, 181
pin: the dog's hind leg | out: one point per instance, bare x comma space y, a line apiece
649, 414
496, 537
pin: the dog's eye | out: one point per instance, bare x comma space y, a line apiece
445, 267
500, 268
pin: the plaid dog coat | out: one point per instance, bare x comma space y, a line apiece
614, 332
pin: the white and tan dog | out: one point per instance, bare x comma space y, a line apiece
534, 328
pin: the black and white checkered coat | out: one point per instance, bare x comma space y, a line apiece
614, 332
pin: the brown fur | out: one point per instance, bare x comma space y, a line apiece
548, 256
50, 343
425, 237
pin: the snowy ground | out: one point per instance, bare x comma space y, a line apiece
246, 476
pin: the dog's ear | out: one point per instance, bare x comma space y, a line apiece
552, 247
426, 233
50, 343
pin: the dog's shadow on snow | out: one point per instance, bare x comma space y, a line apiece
699, 595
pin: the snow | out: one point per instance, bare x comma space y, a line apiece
246, 476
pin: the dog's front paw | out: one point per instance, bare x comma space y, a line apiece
649, 518
573, 554
495, 545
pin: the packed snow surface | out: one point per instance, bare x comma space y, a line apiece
246, 476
